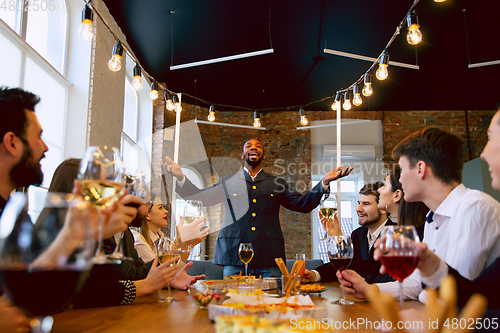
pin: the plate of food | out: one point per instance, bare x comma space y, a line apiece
312, 289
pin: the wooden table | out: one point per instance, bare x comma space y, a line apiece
146, 314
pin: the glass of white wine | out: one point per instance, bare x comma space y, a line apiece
101, 174
168, 249
327, 208
245, 252
193, 209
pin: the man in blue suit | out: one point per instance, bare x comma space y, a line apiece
252, 201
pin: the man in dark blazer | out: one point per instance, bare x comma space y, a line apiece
252, 201
372, 220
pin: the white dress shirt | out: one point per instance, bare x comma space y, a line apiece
465, 233
143, 249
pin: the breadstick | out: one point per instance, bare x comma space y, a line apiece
475, 307
281, 266
386, 306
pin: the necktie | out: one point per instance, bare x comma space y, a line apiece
430, 217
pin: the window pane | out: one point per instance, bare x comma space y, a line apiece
46, 31
130, 111
10, 58
348, 186
346, 208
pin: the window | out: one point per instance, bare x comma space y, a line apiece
129, 146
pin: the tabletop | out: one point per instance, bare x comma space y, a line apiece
146, 314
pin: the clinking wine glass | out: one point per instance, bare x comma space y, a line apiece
168, 249
340, 253
327, 207
245, 252
135, 184
193, 209
399, 254
38, 281
101, 174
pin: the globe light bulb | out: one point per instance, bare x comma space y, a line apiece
382, 72
170, 105
137, 83
86, 30
439, 0
304, 121
115, 63
347, 104
334, 106
153, 94
367, 89
178, 107
211, 116
357, 99
414, 36
257, 123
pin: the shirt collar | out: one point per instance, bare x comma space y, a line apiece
449, 205
253, 177
374, 236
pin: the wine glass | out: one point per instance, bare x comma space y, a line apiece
40, 275
101, 175
193, 209
399, 254
168, 249
327, 207
340, 253
136, 185
245, 252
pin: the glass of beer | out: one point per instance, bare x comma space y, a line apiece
245, 252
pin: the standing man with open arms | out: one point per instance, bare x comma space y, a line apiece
252, 201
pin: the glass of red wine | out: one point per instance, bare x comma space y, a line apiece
44, 265
400, 256
340, 253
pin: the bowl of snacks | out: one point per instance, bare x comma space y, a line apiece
203, 295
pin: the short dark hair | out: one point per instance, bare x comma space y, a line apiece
13, 102
442, 151
372, 188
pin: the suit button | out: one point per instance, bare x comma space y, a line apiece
253, 228
254, 187
254, 215
272, 195
254, 200
234, 194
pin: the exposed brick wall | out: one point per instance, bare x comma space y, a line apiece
285, 145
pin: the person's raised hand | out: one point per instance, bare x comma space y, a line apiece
192, 233
336, 174
118, 216
172, 168
352, 283
332, 226
308, 277
182, 280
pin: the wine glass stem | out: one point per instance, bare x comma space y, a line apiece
99, 240
400, 290
169, 293
118, 243
246, 269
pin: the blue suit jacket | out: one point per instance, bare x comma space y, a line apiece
256, 206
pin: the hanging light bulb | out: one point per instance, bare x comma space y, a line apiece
153, 94
303, 119
256, 120
347, 100
86, 30
211, 113
382, 72
115, 63
367, 88
414, 36
439, 0
177, 103
336, 100
137, 82
168, 101
356, 100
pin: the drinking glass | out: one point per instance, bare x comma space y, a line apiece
300, 258
340, 253
40, 281
101, 175
168, 249
245, 252
193, 209
136, 185
399, 254
327, 207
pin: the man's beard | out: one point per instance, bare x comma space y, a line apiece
27, 172
253, 163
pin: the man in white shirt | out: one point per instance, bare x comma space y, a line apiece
463, 227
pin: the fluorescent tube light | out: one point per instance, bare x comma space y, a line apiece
360, 57
215, 60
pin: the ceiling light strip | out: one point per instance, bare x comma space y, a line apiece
228, 125
213, 61
328, 125
487, 63
360, 57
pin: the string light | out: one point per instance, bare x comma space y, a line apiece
86, 30
382, 72
115, 63
347, 100
439, 0
168, 101
137, 81
177, 103
303, 119
256, 120
367, 88
153, 94
356, 100
414, 36
211, 113
337, 99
